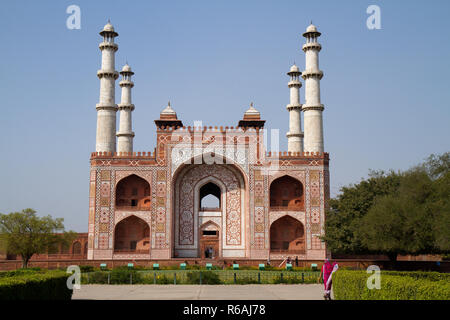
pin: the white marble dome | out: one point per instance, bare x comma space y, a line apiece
108, 27
311, 28
126, 68
294, 68
252, 111
168, 110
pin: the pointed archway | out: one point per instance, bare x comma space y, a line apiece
192, 184
286, 194
287, 235
132, 235
133, 193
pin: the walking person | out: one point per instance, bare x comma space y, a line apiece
327, 271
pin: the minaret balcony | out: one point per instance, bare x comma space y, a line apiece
311, 46
126, 83
294, 83
107, 74
125, 134
315, 74
125, 106
297, 135
319, 107
290, 107
99, 106
108, 45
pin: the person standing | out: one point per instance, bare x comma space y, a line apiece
327, 271
296, 261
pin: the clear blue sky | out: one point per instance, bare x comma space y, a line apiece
386, 92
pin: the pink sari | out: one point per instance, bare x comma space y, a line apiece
327, 270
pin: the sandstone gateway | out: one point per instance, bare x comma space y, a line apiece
150, 205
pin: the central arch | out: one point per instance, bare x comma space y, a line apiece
192, 184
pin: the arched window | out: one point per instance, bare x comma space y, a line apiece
64, 248
210, 197
76, 248
132, 234
287, 235
286, 193
133, 193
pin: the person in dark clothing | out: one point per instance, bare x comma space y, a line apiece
296, 261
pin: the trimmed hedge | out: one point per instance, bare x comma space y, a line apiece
34, 285
193, 277
352, 285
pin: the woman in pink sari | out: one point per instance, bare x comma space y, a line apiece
327, 270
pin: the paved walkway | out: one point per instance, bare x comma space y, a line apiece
200, 292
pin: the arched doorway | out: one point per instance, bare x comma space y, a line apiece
224, 185
132, 235
209, 241
286, 194
76, 248
133, 193
287, 235
210, 197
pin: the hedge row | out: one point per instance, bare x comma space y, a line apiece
35, 285
352, 285
88, 268
198, 277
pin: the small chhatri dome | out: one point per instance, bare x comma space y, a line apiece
311, 28
294, 68
126, 68
251, 111
168, 110
108, 29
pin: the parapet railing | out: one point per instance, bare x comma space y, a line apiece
286, 154
152, 155
146, 155
207, 129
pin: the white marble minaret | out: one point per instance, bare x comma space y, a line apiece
125, 135
107, 108
295, 134
312, 108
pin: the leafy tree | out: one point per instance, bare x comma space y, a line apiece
27, 234
342, 220
438, 168
395, 213
401, 223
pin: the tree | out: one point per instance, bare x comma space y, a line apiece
401, 223
342, 220
438, 168
396, 213
27, 234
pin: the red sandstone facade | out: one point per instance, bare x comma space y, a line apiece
148, 205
